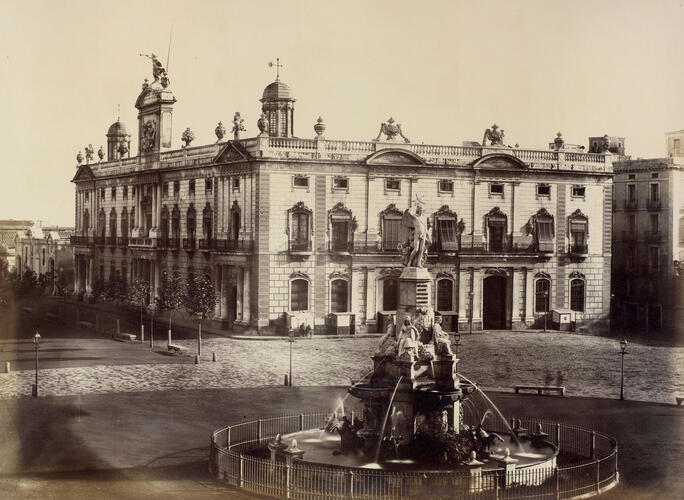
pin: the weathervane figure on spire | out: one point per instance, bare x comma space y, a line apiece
277, 66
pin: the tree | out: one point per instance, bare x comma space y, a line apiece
98, 288
139, 295
171, 295
200, 300
6, 293
25, 285
115, 288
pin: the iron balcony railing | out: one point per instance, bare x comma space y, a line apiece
99, 241
81, 240
188, 243
122, 241
234, 245
653, 236
141, 242
111, 241
631, 204
341, 246
652, 204
300, 246
578, 250
629, 236
207, 243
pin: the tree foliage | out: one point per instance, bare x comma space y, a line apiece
139, 294
200, 297
115, 288
171, 294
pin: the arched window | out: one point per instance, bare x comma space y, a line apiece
101, 223
542, 227
390, 227
578, 225
164, 220
299, 295
390, 294
207, 222
191, 222
447, 229
339, 295
112, 225
341, 230
445, 294
124, 223
577, 294
175, 223
542, 294
496, 229
300, 228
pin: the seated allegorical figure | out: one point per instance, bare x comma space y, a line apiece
388, 343
407, 341
441, 339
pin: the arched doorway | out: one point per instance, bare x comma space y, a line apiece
494, 302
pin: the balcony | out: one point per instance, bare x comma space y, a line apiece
629, 236
172, 243
189, 244
653, 204
653, 236
206, 244
341, 246
141, 242
501, 247
111, 241
81, 240
578, 250
299, 247
631, 204
122, 241
99, 241
242, 246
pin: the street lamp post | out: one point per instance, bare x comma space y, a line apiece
36, 341
457, 341
291, 341
623, 351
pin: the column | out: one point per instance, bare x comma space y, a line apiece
154, 205
515, 312
477, 297
355, 308
238, 298
371, 306
463, 297
246, 291
529, 296
89, 276
224, 292
159, 205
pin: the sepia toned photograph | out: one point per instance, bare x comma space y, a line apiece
357, 250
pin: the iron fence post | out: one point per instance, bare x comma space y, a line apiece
496, 484
557, 474
259, 431
558, 435
288, 468
598, 477
593, 444
228, 438
241, 471
350, 484
301, 421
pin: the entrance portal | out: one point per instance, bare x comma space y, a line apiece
494, 303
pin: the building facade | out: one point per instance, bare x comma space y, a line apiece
46, 250
649, 240
305, 231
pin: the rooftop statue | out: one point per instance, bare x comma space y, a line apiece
158, 71
238, 125
493, 136
414, 236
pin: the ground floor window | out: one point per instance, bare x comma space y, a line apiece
542, 294
577, 295
390, 294
445, 295
339, 294
299, 295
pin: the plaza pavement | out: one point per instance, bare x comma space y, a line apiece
585, 365
154, 445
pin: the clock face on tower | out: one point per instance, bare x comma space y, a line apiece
149, 133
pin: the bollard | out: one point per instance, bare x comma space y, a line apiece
286, 381
118, 327
213, 356
142, 333
197, 359
7, 367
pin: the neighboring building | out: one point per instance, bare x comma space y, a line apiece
8, 237
309, 227
44, 250
649, 240
614, 145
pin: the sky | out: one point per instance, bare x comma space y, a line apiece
446, 70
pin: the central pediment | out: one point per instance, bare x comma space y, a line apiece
500, 161
394, 156
232, 152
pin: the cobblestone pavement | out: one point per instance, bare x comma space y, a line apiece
585, 365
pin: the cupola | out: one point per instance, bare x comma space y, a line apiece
118, 141
277, 104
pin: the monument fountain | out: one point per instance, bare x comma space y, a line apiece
413, 426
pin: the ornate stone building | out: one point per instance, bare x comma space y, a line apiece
46, 250
306, 229
649, 241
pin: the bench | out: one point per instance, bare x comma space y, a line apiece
124, 337
176, 349
679, 401
541, 389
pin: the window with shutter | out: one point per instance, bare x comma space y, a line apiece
445, 292
390, 294
340, 234
578, 236
299, 295
447, 234
577, 295
497, 227
390, 234
339, 295
542, 292
545, 235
